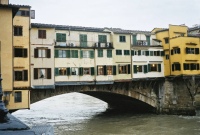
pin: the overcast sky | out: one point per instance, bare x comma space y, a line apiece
125, 14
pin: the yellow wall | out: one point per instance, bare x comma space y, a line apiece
6, 48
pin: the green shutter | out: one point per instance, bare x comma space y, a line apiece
63, 37
67, 53
114, 70
159, 67
83, 40
134, 40
148, 40
149, 67
80, 71
56, 54
162, 53
76, 54
81, 54
132, 52
135, 68
58, 37
91, 54
102, 38
92, 70
104, 70
68, 71
109, 53
147, 53
129, 68
139, 52
56, 72
145, 69
100, 53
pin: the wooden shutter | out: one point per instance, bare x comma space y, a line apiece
132, 52
139, 52
134, 40
172, 52
145, 69
97, 70
58, 37
56, 54
92, 54
56, 71
184, 66
25, 73
100, 38
80, 71
92, 70
48, 53
81, 54
149, 67
35, 53
178, 50
48, 73
63, 37
68, 71
147, 53
135, 68
44, 34
104, 70
35, 73
159, 67
162, 53
196, 50
25, 53
158, 53
172, 67
114, 69
129, 68
197, 66
148, 40
68, 53
186, 50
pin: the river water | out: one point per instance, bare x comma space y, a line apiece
78, 114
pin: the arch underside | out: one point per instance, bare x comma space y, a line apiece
121, 102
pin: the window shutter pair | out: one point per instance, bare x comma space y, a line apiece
48, 73
48, 51
147, 53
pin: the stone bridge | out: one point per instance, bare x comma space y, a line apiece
172, 95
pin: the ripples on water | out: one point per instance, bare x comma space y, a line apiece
78, 114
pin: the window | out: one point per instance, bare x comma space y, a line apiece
167, 56
176, 67
192, 50
175, 51
23, 13
42, 34
42, 53
139, 68
100, 70
126, 52
21, 75
20, 52
154, 67
102, 38
74, 53
151, 53
74, 71
166, 40
100, 53
17, 30
122, 38
18, 96
62, 53
87, 54
62, 71
42, 73
124, 69
109, 53
83, 40
156, 53
86, 71
60, 37
118, 52
109, 70
141, 42
191, 66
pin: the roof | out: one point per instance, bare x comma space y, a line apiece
68, 27
193, 35
123, 31
194, 28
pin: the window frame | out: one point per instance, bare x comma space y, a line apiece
18, 97
42, 34
122, 38
18, 31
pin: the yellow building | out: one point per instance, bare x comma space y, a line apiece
14, 41
181, 50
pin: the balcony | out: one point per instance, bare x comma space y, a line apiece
103, 45
78, 44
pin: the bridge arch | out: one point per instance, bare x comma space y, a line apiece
123, 98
